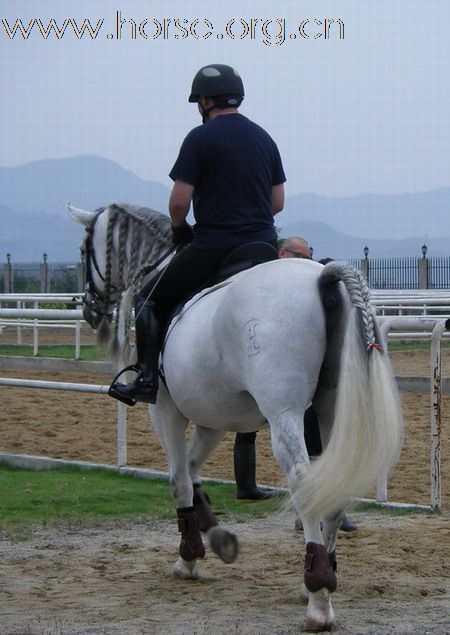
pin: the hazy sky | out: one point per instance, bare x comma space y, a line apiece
367, 113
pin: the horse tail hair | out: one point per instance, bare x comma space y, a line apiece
367, 432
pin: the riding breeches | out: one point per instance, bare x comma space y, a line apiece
188, 271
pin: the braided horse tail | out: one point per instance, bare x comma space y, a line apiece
366, 436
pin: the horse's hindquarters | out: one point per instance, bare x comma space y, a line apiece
248, 349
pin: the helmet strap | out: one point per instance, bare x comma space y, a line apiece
205, 112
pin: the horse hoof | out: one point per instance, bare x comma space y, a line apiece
224, 544
313, 626
320, 613
184, 570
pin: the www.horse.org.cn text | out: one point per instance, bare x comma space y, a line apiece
266, 31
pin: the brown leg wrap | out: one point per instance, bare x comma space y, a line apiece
191, 545
206, 518
319, 572
332, 560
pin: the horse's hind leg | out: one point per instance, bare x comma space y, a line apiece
170, 426
324, 403
320, 562
290, 451
221, 540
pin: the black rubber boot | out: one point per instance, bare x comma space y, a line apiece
148, 334
245, 469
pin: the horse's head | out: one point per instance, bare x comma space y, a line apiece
100, 295
123, 246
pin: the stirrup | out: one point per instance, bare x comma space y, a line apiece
145, 393
141, 389
114, 389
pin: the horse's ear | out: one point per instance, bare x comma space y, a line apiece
80, 215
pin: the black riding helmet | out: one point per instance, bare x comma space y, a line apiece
220, 82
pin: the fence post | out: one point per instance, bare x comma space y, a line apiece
8, 277
44, 275
436, 413
423, 269
365, 263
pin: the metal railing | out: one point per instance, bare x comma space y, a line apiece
405, 273
382, 273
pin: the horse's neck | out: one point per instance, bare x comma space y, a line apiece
142, 250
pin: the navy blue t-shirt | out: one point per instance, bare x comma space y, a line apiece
232, 164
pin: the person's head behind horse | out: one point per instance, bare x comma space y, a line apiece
295, 247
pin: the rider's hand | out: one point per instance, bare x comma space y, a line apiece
182, 234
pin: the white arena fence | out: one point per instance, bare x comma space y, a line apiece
432, 303
28, 315
35, 322
424, 325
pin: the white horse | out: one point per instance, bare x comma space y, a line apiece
260, 347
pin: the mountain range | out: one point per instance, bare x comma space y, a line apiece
34, 219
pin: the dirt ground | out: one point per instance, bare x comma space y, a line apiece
393, 572
116, 580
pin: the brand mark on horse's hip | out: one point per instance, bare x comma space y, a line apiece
251, 338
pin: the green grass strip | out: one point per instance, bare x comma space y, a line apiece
88, 352
77, 496
414, 346
392, 511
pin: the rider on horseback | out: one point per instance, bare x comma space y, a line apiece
231, 170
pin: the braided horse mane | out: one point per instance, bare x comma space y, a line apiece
140, 236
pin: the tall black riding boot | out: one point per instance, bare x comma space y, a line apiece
245, 469
148, 336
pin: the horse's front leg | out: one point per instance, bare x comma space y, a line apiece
222, 541
290, 451
170, 426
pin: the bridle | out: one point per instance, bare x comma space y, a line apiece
94, 306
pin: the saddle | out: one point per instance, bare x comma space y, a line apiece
242, 258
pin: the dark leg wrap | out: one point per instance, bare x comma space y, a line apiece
332, 560
319, 572
205, 515
191, 545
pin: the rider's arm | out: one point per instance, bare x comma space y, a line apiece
180, 202
277, 198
